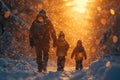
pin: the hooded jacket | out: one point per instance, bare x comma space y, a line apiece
62, 47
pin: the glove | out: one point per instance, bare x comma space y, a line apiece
54, 44
31, 43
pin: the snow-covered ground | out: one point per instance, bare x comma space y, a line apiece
105, 68
27, 70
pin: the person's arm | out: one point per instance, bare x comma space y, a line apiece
52, 32
67, 46
73, 54
85, 54
31, 35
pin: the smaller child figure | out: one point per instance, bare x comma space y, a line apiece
61, 51
79, 54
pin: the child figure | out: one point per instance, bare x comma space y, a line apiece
79, 54
61, 51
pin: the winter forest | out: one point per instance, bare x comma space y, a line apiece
95, 22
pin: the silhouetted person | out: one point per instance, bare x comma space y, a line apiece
61, 52
40, 33
79, 53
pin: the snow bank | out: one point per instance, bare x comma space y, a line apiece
106, 68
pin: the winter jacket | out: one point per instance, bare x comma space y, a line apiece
79, 53
62, 47
40, 33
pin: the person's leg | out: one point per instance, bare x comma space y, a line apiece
62, 63
81, 66
58, 63
45, 58
39, 58
77, 65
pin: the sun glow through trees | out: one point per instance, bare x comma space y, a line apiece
75, 19
78, 5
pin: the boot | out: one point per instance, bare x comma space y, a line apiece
45, 69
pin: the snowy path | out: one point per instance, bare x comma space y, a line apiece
26, 69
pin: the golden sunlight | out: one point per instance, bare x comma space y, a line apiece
78, 5
76, 20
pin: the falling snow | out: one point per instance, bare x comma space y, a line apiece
95, 22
